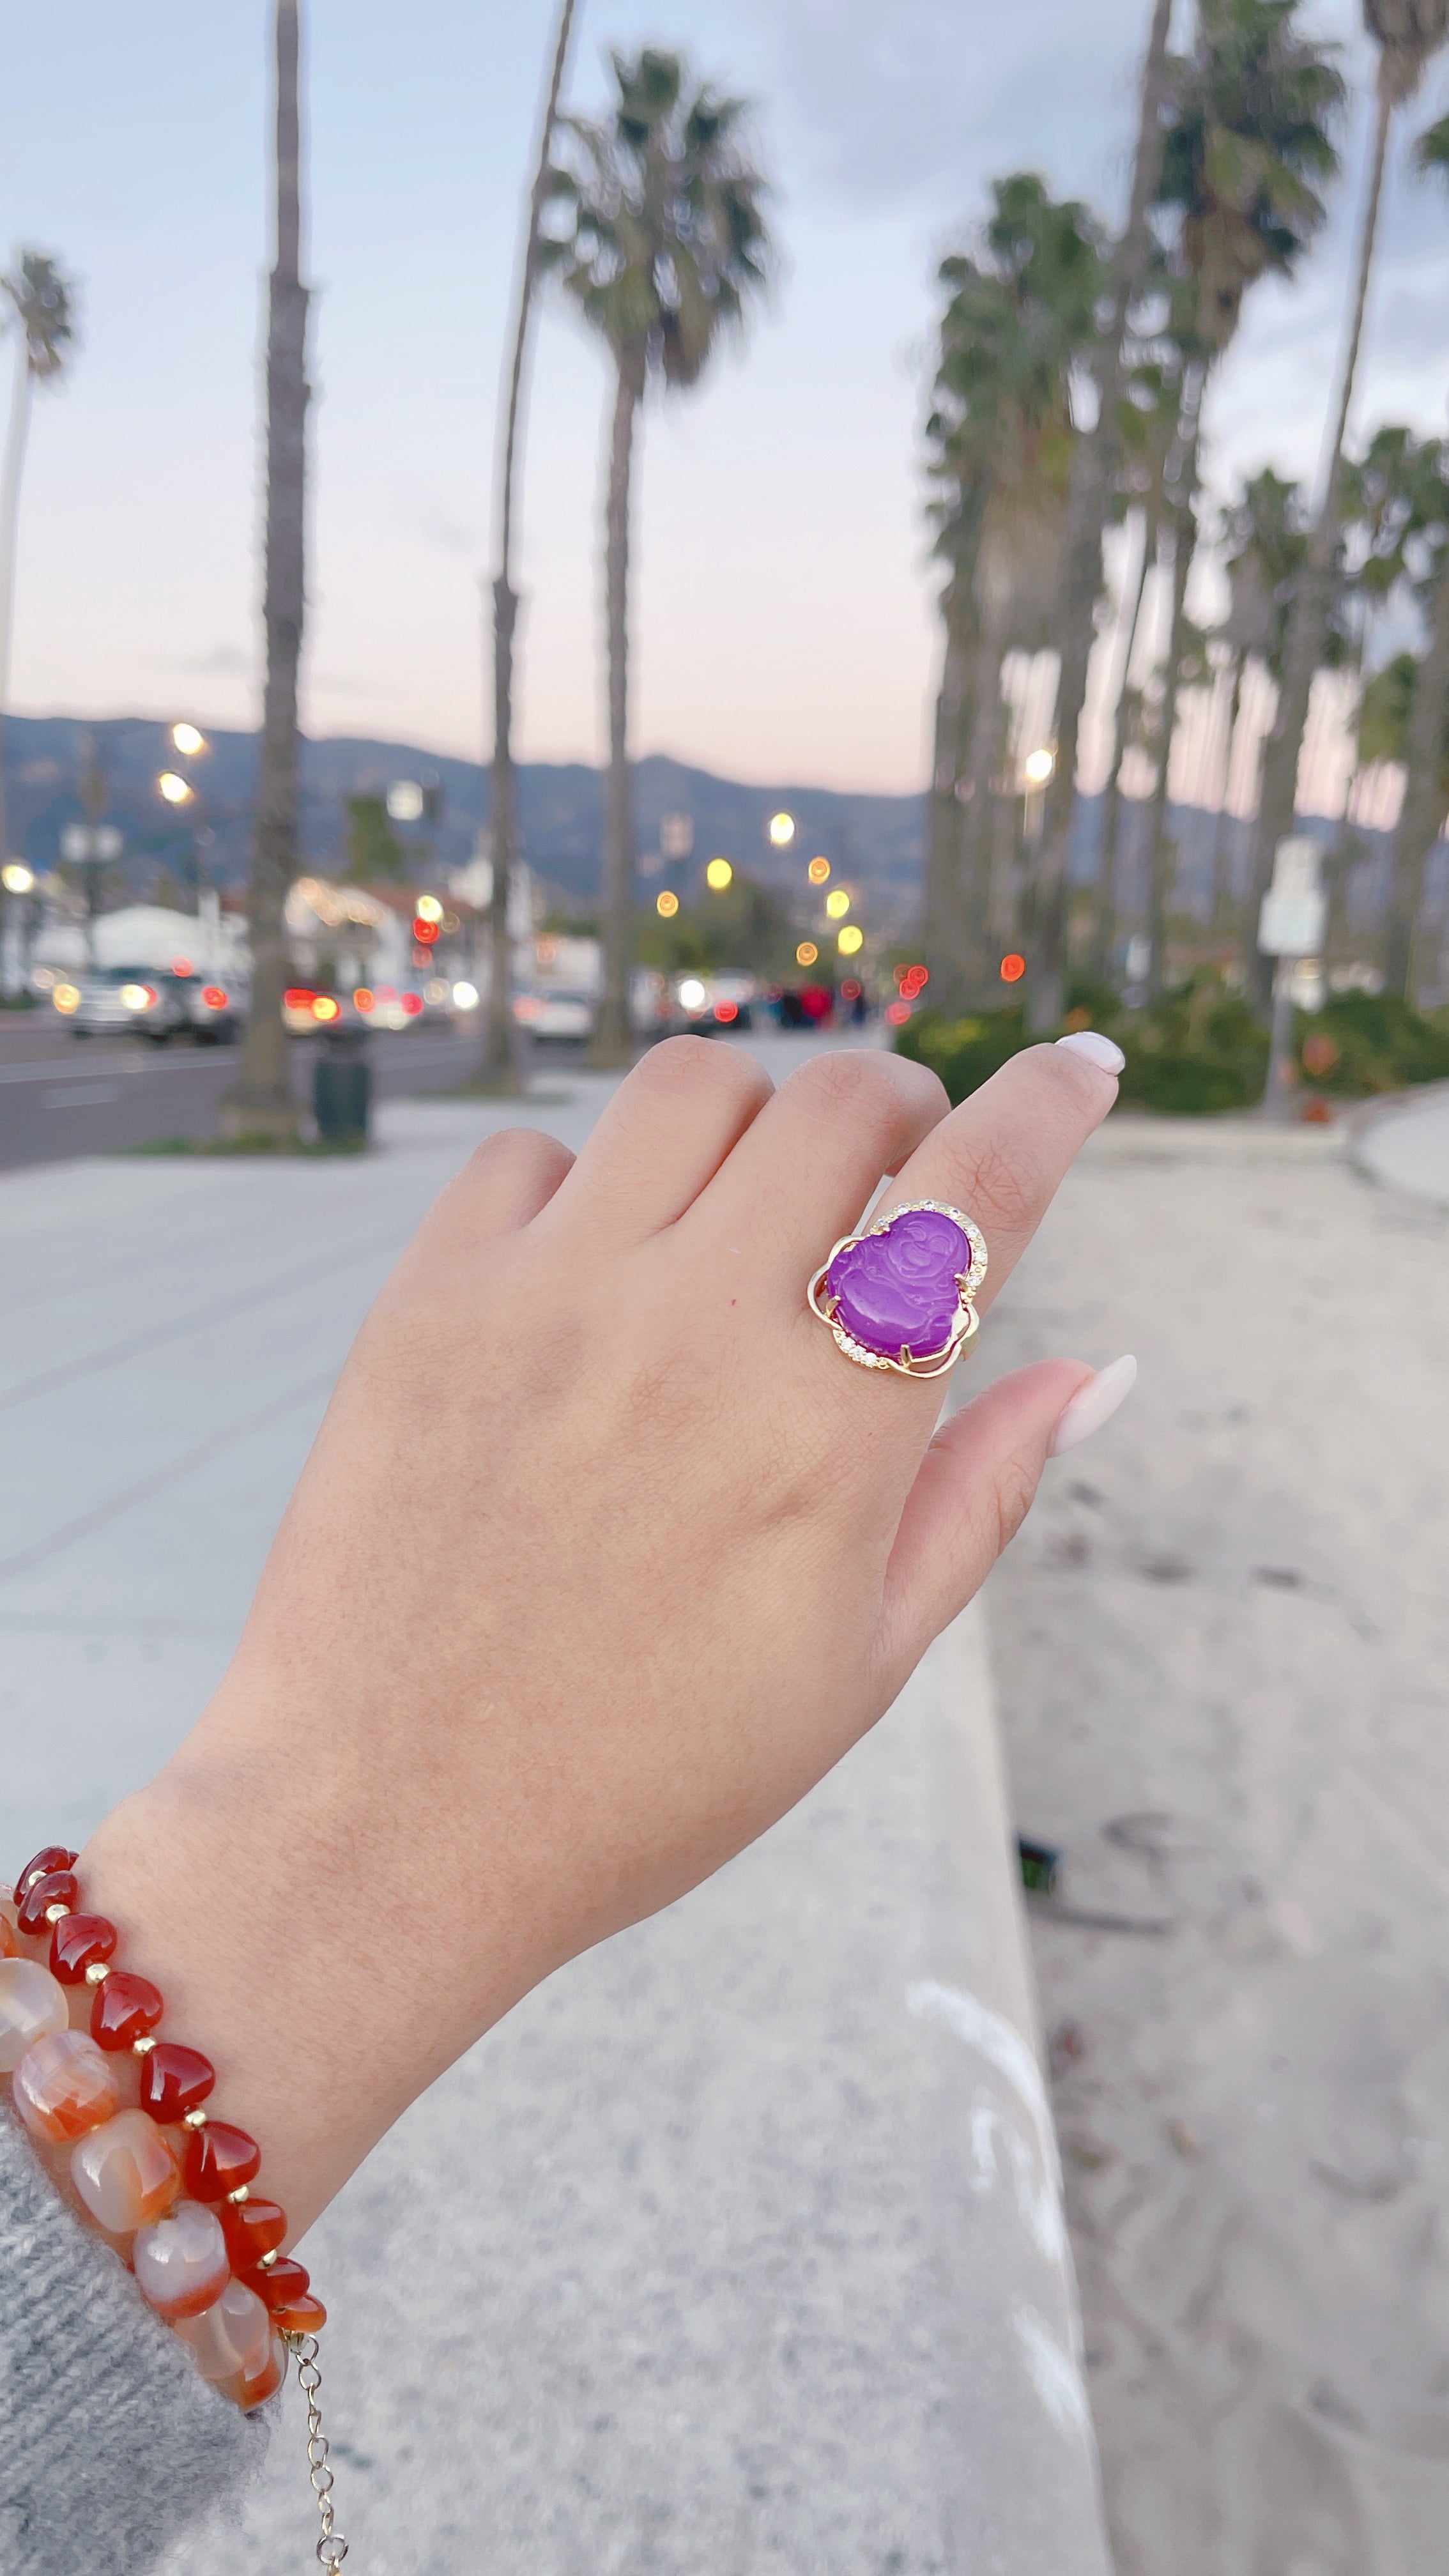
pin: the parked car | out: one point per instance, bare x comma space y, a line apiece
567, 1017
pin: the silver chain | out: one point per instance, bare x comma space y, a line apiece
331, 2548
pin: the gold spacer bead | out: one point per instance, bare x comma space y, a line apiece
97, 1972
241, 2193
194, 2120
142, 2047
267, 2261
56, 1913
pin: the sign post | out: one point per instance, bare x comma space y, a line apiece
1291, 925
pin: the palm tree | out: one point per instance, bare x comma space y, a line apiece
260, 1101
1093, 481
1407, 33
665, 242
1243, 162
42, 307
1149, 422
1000, 434
498, 1065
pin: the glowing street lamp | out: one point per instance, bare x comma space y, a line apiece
175, 789
666, 904
837, 903
1038, 765
806, 953
818, 871
16, 877
718, 875
782, 830
850, 940
187, 740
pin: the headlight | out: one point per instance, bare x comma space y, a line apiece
66, 997
136, 997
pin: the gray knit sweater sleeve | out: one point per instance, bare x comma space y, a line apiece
110, 2444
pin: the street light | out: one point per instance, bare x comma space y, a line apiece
175, 789
850, 940
806, 953
16, 877
818, 871
1038, 765
666, 903
782, 830
837, 903
187, 740
718, 875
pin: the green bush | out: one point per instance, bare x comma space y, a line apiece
1200, 1050
1379, 1045
1197, 1051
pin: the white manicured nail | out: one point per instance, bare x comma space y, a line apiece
1096, 1049
1094, 1404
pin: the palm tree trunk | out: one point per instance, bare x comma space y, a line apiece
1278, 801
940, 890
10, 475
499, 1069
613, 1037
1104, 930
260, 1100
1094, 470
984, 745
1422, 817
1184, 545
1218, 916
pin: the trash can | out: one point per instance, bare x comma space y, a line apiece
342, 1090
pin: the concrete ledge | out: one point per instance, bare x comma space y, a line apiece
738, 2249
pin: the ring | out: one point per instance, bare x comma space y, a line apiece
902, 1295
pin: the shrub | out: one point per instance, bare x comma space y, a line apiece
1378, 1044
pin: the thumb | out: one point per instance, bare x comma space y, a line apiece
974, 1488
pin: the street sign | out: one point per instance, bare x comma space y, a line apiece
1293, 925
82, 842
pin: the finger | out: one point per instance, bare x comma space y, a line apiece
973, 1489
504, 1184
1002, 1155
813, 1159
664, 1134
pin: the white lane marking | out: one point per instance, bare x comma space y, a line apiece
85, 1097
1055, 2376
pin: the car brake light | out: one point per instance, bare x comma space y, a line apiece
213, 996
299, 997
362, 1000
412, 1003
898, 1013
324, 1008
726, 1010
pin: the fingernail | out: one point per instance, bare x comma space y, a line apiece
1094, 1404
1096, 1049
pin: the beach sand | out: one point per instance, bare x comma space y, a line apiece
1221, 1644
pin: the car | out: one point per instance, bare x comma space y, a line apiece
384, 1006
708, 1003
568, 1017
216, 1010
106, 1001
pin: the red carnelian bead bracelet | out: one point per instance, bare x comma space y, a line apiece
119, 2118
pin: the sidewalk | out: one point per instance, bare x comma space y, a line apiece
737, 2248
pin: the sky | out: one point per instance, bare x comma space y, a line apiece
784, 626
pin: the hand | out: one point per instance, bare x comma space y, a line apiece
603, 1555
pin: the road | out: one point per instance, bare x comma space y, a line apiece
61, 1096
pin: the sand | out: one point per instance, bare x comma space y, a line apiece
1221, 1645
